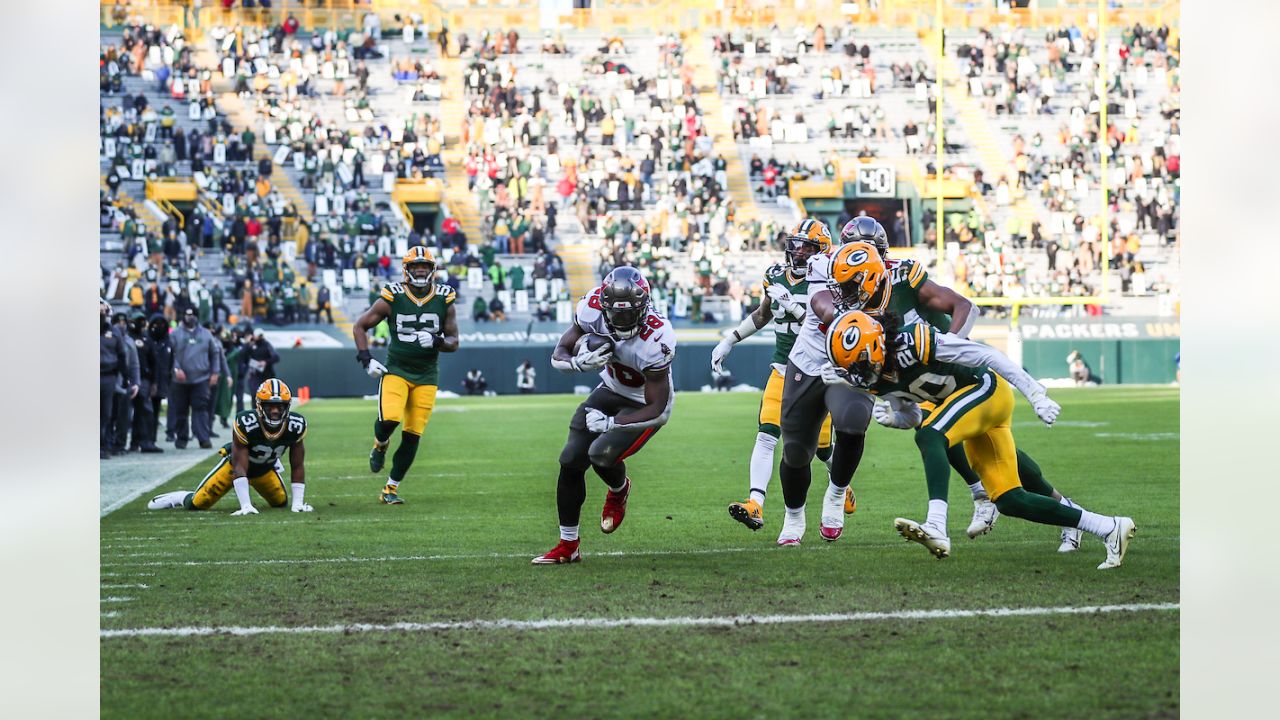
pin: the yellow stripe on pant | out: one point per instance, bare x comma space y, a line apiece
219, 480
771, 411
401, 401
981, 416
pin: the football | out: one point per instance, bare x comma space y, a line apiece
594, 341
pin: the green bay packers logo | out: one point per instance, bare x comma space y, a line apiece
857, 257
850, 337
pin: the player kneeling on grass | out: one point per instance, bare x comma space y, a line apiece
969, 382
615, 329
259, 439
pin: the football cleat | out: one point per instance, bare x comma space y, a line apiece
1070, 540
748, 513
565, 551
615, 508
167, 501
984, 518
792, 530
934, 539
850, 502
377, 459
1117, 542
389, 496
832, 515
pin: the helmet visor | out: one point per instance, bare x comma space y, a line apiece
624, 319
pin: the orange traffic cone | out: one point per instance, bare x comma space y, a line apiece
304, 394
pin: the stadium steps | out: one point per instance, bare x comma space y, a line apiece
453, 111
579, 266
713, 117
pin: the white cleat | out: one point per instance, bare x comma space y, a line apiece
792, 530
984, 518
1117, 542
832, 515
934, 539
1070, 540
167, 501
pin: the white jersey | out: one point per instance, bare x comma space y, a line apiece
810, 351
653, 348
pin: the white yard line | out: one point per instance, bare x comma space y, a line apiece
604, 623
116, 599
139, 586
500, 556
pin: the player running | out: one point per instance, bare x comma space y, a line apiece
788, 291
423, 324
908, 293
969, 384
259, 438
631, 403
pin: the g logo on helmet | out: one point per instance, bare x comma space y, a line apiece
850, 337
857, 257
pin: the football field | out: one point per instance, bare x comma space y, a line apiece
432, 607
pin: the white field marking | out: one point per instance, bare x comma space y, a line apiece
114, 599
606, 553
605, 623
151, 485
140, 555
1148, 437
310, 519
123, 547
1065, 423
123, 586
108, 614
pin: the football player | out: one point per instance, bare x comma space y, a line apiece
806, 400
633, 400
788, 291
259, 438
909, 294
423, 323
968, 383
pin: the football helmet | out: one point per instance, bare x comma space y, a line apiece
855, 343
419, 267
868, 230
272, 402
624, 301
857, 272
808, 238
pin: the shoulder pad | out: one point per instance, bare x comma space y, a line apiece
245, 423
446, 293
774, 271
915, 344
296, 424
916, 274
391, 290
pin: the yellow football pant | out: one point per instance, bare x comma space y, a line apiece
401, 401
771, 411
216, 484
980, 416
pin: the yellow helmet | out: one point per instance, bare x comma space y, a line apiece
855, 343
272, 394
856, 273
419, 256
809, 235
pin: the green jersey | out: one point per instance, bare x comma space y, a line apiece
409, 315
265, 449
912, 372
785, 327
907, 277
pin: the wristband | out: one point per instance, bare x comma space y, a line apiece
241, 485
364, 357
299, 491
745, 329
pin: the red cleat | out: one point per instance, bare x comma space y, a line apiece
831, 534
615, 508
566, 551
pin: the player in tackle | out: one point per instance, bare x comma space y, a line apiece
259, 438
787, 289
633, 400
969, 384
423, 324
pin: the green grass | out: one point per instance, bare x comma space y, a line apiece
481, 503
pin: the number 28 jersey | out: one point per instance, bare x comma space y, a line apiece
653, 348
265, 450
409, 314
918, 373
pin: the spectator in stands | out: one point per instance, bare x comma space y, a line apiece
479, 310
474, 383
1078, 368
196, 360
525, 377
324, 304
497, 311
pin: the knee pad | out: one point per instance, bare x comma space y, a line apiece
602, 454
574, 458
796, 455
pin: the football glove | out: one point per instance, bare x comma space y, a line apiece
375, 369
833, 375
247, 510
1046, 409
783, 297
241, 486
905, 419
721, 352
302, 508
598, 422
588, 360
425, 339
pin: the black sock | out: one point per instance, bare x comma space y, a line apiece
571, 492
847, 455
403, 459
615, 476
795, 484
824, 453
382, 430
